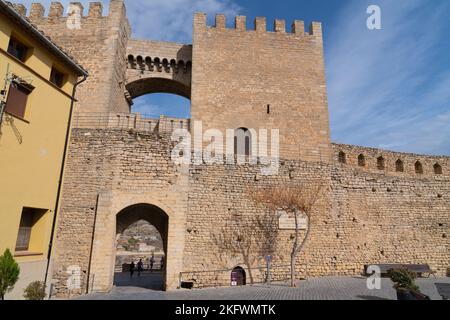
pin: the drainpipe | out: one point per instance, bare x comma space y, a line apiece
92, 248
61, 175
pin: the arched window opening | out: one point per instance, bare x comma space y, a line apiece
381, 164
181, 66
166, 65
188, 66
437, 169
243, 142
342, 157
399, 166
361, 160
157, 63
419, 167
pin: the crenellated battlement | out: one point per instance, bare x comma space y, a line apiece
57, 10
89, 34
259, 26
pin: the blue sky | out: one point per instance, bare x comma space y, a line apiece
387, 88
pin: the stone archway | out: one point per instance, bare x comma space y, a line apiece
156, 217
117, 209
143, 86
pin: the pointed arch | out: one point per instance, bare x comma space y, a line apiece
342, 157
381, 163
437, 168
361, 160
399, 166
418, 167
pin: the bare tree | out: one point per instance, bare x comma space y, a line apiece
249, 236
295, 201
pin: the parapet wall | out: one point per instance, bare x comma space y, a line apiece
159, 49
391, 163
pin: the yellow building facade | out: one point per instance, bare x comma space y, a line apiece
37, 81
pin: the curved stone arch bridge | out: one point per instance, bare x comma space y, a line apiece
158, 67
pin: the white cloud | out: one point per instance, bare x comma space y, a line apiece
166, 20
386, 87
171, 20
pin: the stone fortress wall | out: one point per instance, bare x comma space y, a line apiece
367, 217
380, 207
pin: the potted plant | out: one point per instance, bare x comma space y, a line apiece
404, 284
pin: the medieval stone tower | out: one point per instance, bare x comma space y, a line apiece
234, 77
379, 206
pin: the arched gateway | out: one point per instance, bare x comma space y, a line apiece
115, 213
157, 218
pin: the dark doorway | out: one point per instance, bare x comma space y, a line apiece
238, 277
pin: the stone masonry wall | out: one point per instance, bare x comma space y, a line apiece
364, 217
368, 217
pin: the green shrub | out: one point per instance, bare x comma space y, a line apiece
35, 291
403, 279
9, 273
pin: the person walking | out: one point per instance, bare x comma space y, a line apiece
140, 267
132, 267
162, 263
152, 262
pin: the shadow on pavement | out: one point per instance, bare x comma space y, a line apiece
374, 298
147, 280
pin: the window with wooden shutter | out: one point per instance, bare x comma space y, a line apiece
16, 102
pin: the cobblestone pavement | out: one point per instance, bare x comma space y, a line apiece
331, 288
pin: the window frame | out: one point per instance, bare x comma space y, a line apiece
17, 42
17, 87
29, 218
56, 71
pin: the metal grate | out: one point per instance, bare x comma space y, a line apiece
23, 239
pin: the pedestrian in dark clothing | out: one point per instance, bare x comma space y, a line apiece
152, 262
162, 263
140, 267
132, 267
